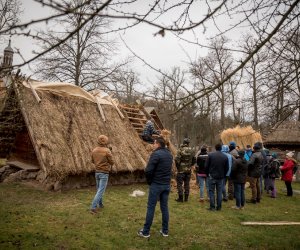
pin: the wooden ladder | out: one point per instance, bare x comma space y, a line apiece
136, 117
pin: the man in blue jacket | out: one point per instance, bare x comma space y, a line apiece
216, 167
158, 174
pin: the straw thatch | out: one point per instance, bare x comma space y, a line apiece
242, 136
63, 129
284, 133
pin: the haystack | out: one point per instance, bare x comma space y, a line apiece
243, 136
58, 126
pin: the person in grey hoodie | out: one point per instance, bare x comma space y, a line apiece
225, 150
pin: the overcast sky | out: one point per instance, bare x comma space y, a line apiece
161, 52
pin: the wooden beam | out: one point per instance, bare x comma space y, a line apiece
137, 119
100, 110
137, 124
116, 107
270, 223
38, 99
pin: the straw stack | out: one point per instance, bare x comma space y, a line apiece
241, 135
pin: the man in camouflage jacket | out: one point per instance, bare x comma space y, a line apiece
185, 159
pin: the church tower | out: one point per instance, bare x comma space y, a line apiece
7, 57
6, 64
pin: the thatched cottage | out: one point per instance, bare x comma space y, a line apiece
284, 136
51, 128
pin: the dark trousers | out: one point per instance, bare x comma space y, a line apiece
148, 138
161, 193
183, 179
239, 194
289, 188
215, 185
255, 188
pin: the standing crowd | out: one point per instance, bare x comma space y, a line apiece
221, 174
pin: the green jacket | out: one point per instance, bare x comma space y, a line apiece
185, 159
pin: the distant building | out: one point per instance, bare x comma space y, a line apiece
6, 62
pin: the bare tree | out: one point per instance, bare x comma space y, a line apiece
265, 18
85, 58
9, 15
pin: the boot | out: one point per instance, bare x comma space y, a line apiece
186, 197
180, 198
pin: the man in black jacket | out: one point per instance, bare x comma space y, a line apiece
254, 173
158, 174
216, 167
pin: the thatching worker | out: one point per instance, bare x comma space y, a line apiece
216, 168
158, 174
238, 176
184, 160
287, 172
148, 131
103, 161
234, 152
254, 173
201, 158
225, 150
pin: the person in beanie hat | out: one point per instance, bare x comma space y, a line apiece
271, 173
233, 151
238, 177
287, 172
184, 160
254, 173
103, 161
201, 158
148, 131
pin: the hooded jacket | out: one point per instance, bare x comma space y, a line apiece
101, 156
255, 165
287, 170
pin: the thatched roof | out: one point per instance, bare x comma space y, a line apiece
285, 133
64, 129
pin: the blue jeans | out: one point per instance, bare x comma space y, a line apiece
161, 193
224, 192
215, 184
201, 181
239, 194
101, 183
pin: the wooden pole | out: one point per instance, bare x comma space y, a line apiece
270, 223
101, 110
116, 107
33, 91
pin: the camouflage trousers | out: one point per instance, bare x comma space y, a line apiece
183, 182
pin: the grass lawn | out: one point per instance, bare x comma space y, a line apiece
35, 219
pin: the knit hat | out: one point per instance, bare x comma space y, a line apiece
258, 144
274, 155
232, 143
225, 148
186, 141
290, 154
203, 149
102, 140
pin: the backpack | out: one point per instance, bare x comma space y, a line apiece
295, 168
